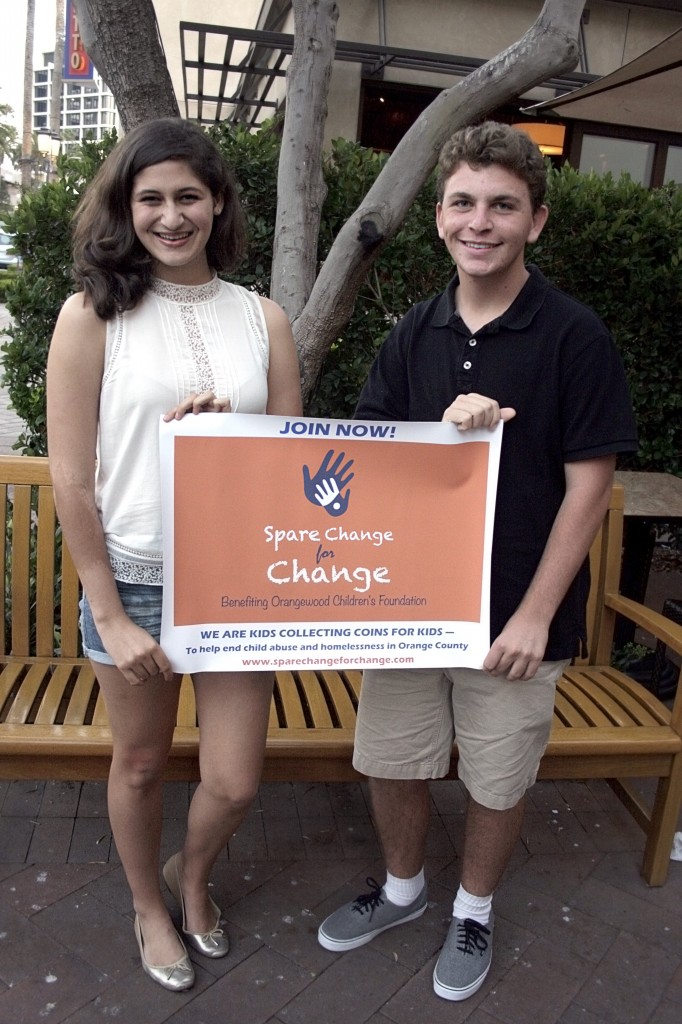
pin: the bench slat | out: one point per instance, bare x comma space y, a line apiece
24, 700
290, 698
99, 716
642, 712
593, 691
45, 547
566, 714
317, 704
9, 676
187, 708
52, 698
338, 694
81, 696
21, 570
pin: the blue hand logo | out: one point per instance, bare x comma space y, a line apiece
326, 486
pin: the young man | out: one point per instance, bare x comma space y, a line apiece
499, 343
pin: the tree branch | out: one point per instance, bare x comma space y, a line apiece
549, 47
300, 183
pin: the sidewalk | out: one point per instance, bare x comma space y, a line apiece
580, 938
10, 424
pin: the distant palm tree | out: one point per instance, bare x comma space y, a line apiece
8, 134
57, 73
27, 132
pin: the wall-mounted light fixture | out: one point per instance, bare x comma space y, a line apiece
549, 138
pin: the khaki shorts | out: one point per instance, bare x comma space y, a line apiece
408, 719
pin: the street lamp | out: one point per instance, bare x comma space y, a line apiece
48, 145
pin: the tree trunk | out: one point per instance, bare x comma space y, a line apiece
121, 37
549, 47
57, 73
27, 133
300, 184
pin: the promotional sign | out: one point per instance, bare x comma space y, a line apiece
314, 543
77, 64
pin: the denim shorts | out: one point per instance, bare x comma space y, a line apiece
141, 603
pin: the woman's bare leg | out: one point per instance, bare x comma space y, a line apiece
142, 719
233, 713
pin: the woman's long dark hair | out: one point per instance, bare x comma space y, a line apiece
110, 264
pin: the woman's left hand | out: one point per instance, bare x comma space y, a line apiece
207, 401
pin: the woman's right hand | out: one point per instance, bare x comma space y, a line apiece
136, 654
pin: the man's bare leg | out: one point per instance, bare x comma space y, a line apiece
401, 809
489, 840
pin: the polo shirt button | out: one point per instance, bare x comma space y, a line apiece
467, 365
472, 342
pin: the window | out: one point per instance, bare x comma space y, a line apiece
673, 164
388, 109
90, 102
41, 106
90, 118
73, 120
649, 156
602, 154
40, 90
73, 104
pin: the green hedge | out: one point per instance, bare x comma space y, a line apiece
618, 247
612, 244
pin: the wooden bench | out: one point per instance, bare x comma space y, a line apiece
53, 724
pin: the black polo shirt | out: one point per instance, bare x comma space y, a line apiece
553, 360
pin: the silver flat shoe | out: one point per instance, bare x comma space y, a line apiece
175, 977
213, 943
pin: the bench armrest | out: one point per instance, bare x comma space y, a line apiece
662, 628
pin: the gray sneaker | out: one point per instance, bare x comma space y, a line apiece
464, 960
369, 914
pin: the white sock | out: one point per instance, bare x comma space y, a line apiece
403, 891
476, 907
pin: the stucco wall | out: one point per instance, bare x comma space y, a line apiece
615, 34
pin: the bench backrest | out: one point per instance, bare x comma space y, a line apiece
41, 619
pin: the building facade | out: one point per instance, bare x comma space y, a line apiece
228, 62
88, 110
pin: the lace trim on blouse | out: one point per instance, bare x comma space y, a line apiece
134, 572
186, 294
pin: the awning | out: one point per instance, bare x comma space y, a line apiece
646, 93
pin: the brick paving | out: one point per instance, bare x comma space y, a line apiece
579, 939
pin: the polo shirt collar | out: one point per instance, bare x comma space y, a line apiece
517, 318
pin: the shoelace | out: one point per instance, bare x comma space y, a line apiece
471, 937
369, 901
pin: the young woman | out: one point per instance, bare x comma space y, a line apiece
153, 331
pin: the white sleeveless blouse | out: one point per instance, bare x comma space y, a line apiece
178, 339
